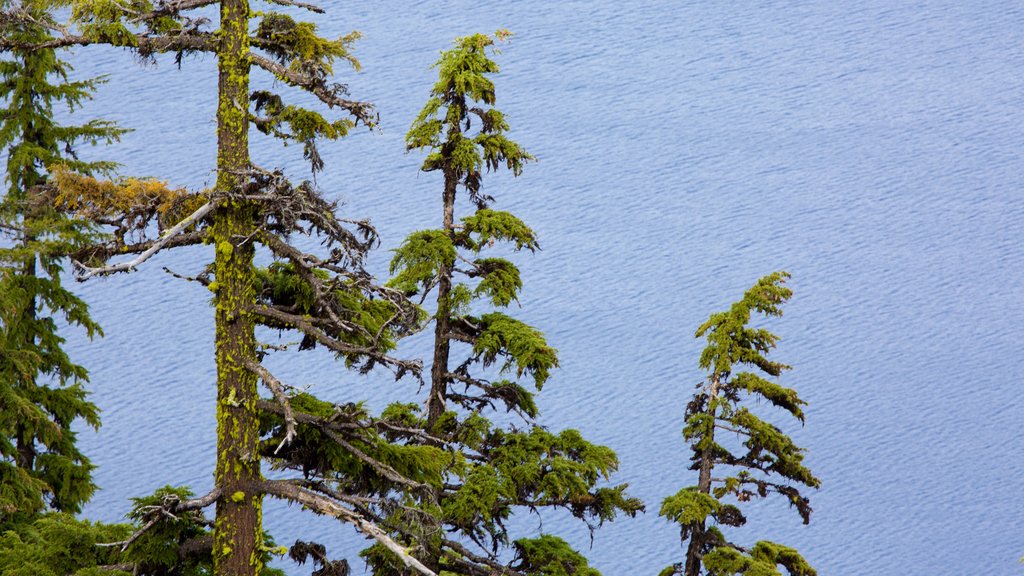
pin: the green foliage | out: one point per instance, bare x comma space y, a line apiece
769, 462
550, 556
366, 320
418, 260
298, 46
487, 226
521, 346
443, 124
296, 124
762, 560
41, 389
316, 450
59, 545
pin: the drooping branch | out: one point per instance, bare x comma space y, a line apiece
324, 505
328, 94
84, 272
278, 391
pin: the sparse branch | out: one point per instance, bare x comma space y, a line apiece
278, 391
105, 251
334, 424
310, 7
303, 324
495, 566
146, 44
324, 505
84, 272
173, 8
362, 111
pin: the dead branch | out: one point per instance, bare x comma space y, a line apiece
84, 272
278, 391
324, 505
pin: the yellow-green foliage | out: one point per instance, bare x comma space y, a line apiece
763, 560
103, 20
138, 199
486, 226
768, 461
520, 345
60, 545
280, 284
550, 556
418, 260
314, 451
297, 45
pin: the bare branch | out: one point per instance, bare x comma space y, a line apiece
85, 272
310, 7
278, 391
329, 507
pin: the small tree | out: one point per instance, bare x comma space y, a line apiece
495, 470
41, 392
766, 461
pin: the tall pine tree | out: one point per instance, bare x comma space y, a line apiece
41, 388
498, 470
760, 461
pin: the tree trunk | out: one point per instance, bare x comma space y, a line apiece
698, 532
238, 530
442, 322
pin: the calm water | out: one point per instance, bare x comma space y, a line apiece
687, 148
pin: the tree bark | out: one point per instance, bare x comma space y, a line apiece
442, 322
698, 532
238, 530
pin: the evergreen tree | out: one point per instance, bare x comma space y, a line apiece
764, 460
326, 297
41, 388
397, 477
496, 470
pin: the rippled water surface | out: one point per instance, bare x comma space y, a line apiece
873, 149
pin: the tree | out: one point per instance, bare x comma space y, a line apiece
41, 388
397, 477
328, 298
766, 461
495, 470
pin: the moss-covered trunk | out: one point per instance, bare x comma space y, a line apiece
238, 529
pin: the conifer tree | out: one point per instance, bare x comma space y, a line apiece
761, 461
497, 470
391, 476
326, 297
41, 388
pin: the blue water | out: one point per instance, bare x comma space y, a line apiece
873, 149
